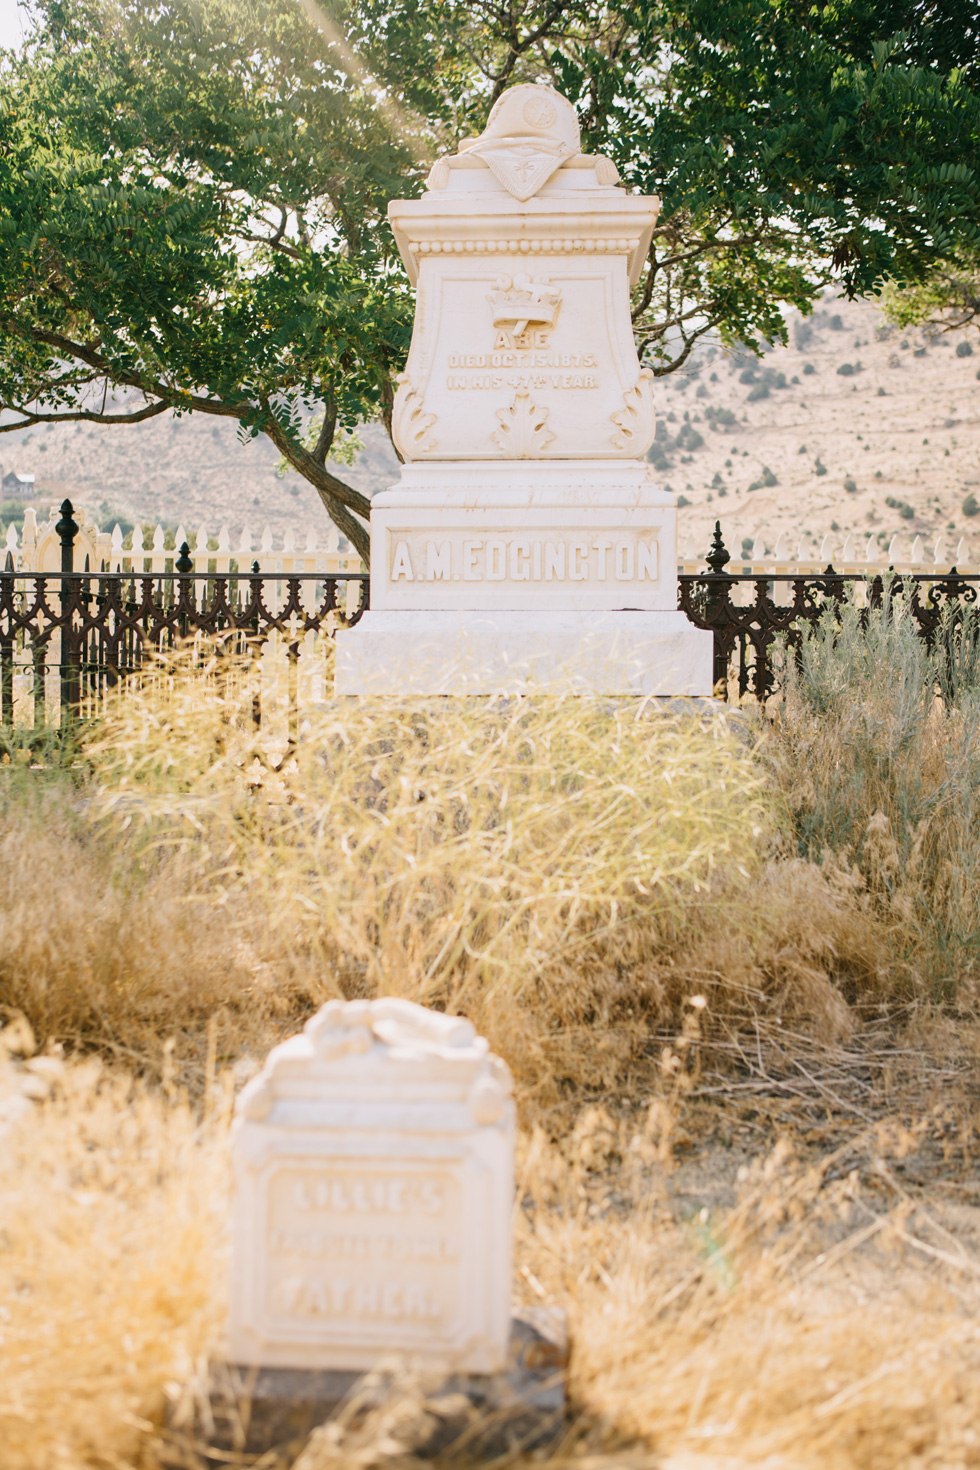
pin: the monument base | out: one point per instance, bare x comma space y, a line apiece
240, 1411
458, 652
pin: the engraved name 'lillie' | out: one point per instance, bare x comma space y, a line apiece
363, 1196
523, 558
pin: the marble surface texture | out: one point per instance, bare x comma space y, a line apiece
523, 417
374, 1181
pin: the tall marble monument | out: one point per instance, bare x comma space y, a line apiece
526, 544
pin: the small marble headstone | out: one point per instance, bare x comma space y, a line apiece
374, 1183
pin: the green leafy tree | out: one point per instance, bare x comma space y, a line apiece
794, 147
192, 197
190, 211
946, 301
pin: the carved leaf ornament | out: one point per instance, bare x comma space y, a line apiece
411, 423
523, 430
633, 419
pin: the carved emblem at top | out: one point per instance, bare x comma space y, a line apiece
519, 302
532, 133
382, 1045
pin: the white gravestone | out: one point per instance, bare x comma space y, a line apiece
526, 542
374, 1184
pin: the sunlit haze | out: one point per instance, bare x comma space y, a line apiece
13, 24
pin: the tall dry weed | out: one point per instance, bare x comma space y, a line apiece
564, 871
577, 877
113, 1207
799, 1328
883, 780
517, 860
821, 1320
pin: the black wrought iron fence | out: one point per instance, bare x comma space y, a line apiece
68, 637
750, 614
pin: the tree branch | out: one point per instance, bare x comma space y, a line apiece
274, 243
336, 496
327, 431
91, 416
174, 397
387, 412
689, 342
518, 46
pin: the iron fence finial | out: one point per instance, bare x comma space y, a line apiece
67, 529
718, 555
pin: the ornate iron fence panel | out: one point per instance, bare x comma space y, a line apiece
66, 638
748, 617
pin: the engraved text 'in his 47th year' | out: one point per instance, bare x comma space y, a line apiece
524, 557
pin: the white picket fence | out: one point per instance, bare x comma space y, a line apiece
850, 556
38, 549
316, 553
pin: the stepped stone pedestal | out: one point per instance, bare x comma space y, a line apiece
526, 544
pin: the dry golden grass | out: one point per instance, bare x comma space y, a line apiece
547, 867
799, 1328
564, 871
609, 892
112, 1234
819, 1322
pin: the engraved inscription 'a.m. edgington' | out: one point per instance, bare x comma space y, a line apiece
522, 557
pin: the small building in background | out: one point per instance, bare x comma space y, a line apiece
16, 486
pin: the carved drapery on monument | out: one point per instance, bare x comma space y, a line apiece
523, 415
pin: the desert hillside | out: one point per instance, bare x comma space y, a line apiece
191, 470
855, 427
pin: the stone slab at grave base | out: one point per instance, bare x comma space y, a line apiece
252, 1411
460, 653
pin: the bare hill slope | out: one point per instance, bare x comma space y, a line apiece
854, 427
192, 470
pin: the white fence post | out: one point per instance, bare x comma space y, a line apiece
222, 560
158, 561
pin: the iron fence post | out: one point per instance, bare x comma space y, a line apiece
254, 644
67, 529
7, 642
716, 598
183, 566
